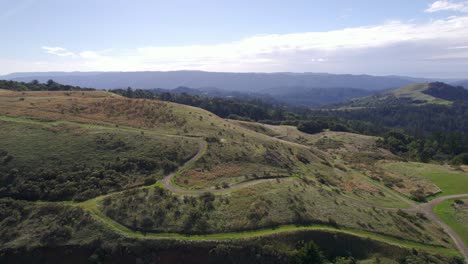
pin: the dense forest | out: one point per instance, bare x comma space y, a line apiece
447, 92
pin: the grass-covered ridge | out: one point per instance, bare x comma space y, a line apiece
269, 204
416, 93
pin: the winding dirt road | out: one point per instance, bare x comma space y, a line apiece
426, 208
167, 181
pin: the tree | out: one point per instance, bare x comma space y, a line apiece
310, 254
147, 223
311, 127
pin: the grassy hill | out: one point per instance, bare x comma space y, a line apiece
413, 94
92, 161
416, 93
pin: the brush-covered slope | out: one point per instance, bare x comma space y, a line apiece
362, 154
229, 177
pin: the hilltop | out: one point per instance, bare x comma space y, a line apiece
414, 94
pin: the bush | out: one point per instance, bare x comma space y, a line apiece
311, 127
55, 235
418, 195
461, 159
310, 253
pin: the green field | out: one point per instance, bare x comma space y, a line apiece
455, 217
449, 180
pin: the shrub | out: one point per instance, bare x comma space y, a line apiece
418, 195
310, 253
461, 159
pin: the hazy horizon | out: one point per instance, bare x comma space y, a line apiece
419, 38
276, 72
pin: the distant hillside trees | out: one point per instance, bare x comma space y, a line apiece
311, 127
438, 146
447, 92
34, 85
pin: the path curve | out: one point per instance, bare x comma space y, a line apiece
168, 183
428, 210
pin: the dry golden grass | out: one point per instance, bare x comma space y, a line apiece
95, 107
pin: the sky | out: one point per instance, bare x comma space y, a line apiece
421, 38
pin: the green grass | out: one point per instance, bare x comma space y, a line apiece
455, 218
449, 180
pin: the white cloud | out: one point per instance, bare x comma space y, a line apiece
394, 47
446, 5
62, 52
459, 47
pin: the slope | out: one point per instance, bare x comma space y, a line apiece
289, 182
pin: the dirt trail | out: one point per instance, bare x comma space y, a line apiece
168, 180
428, 210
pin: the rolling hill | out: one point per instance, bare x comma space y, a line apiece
414, 94
98, 174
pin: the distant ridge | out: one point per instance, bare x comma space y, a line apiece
414, 94
244, 82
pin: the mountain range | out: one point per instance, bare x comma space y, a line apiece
245, 82
301, 89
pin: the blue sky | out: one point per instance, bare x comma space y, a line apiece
418, 37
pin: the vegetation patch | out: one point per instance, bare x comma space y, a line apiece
28, 224
291, 201
52, 161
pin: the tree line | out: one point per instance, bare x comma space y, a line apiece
35, 85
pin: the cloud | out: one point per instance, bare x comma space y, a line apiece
89, 54
446, 5
394, 47
61, 52
459, 47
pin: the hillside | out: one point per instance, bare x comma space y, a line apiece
414, 94
463, 83
310, 96
81, 168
